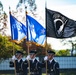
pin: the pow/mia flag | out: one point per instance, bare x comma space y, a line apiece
59, 26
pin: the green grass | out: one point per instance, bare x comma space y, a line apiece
13, 74
43, 74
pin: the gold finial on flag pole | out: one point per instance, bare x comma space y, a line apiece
9, 10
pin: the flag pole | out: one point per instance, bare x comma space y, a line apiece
14, 61
46, 32
27, 40
13, 44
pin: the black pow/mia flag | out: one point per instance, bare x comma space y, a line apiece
59, 26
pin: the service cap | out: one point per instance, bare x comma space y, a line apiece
33, 52
50, 52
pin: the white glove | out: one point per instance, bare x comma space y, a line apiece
14, 58
28, 57
37, 58
45, 58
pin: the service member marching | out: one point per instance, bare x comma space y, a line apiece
17, 62
52, 64
35, 65
25, 67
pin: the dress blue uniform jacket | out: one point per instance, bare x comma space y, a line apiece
35, 67
25, 67
52, 68
18, 66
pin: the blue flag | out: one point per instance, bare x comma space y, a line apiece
36, 32
18, 30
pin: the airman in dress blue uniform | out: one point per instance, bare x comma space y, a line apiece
17, 62
35, 64
52, 64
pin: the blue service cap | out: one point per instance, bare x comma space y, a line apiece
50, 52
19, 52
33, 52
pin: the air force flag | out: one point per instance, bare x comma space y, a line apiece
36, 32
18, 30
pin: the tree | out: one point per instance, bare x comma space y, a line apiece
7, 47
28, 3
3, 20
72, 42
63, 53
41, 50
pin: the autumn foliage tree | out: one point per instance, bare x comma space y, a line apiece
7, 47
